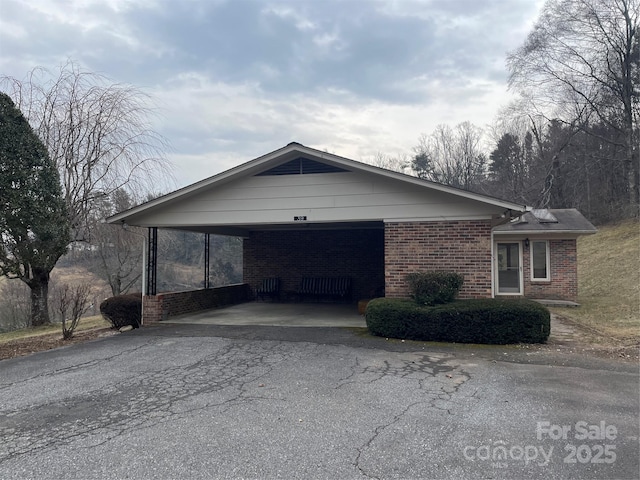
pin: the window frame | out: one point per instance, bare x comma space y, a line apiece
547, 262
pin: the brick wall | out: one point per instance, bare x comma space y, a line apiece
164, 305
292, 255
375, 258
564, 273
458, 246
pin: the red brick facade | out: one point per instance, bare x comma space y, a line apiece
292, 255
458, 246
164, 305
375, 259
563, 283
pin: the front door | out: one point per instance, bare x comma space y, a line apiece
509, 268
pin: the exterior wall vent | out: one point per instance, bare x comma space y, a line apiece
301, 166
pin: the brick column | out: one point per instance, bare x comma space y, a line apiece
151, 309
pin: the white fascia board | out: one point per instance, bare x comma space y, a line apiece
553, 234
438, 219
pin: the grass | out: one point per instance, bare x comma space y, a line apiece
72, 276
87, 323
609, 284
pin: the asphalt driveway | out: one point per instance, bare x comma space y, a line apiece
207, 401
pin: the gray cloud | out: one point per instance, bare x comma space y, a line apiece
239, 75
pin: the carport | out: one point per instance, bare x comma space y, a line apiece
306, 213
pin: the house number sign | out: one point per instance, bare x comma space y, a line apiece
301, 218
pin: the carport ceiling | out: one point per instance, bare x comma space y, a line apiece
244, 230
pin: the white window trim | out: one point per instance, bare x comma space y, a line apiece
548, 260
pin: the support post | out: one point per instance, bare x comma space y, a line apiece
207, 282
152, 261
144, 266
144, 278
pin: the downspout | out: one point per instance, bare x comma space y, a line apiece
144, 278
207, 247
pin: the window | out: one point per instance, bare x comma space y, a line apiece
540, 260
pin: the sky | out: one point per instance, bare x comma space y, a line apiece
235, 79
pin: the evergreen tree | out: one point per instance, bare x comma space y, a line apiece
34, 226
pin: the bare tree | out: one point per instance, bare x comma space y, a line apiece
400, 163
451, 156
70, 303
97, 132
469, 154
541, 179
433, 158
581, 59
116, 252
120, 257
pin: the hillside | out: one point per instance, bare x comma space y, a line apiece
609, 284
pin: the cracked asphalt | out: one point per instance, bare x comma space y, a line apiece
204, 401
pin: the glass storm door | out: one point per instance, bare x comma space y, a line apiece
508, 268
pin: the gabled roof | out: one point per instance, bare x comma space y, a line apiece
551, 221
284, 158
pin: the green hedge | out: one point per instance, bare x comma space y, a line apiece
123, 310
433, 288
489, 321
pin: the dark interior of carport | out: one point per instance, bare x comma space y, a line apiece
292, 252
318, 250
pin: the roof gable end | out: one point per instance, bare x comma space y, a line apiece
285, 161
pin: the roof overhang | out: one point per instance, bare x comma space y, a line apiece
548, 223
552, 235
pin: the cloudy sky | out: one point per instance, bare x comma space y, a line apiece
234, 79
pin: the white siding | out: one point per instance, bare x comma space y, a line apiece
331, 197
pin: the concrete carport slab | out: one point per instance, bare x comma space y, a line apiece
277, 314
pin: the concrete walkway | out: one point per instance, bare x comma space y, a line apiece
314, 315
277, 314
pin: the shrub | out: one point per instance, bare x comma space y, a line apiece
433, 288
123, 310
69, 304
489, 321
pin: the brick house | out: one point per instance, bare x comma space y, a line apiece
306, 213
